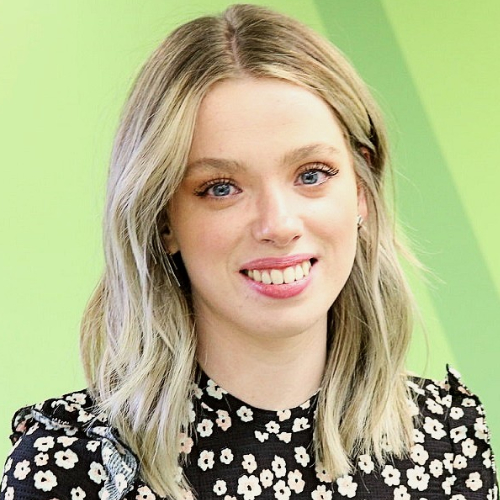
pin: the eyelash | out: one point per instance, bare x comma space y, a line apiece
203, 190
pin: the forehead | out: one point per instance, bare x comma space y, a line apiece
255, 116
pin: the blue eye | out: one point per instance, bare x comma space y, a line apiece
316, 174
217, 188
310, 177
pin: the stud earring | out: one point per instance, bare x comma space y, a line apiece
360, 221
172, 268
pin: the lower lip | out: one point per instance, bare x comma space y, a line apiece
284, 291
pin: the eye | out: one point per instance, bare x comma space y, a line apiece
217, 188
315, 174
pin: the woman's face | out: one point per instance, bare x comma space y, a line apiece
266, 216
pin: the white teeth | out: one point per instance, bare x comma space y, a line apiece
289, 275
266, 278
299, 272
306, 266
278, 276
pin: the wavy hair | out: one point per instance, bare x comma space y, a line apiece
138, 337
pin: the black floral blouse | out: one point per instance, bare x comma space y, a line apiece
63, 451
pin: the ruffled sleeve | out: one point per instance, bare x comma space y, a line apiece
63, 450
472, 464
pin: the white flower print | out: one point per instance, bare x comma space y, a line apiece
249, 487
41, 459
97, 472
44, 443
144, 493
295, 481
205, 428
66, 459
469, 449
401, 493
459, 462
436, 468
322, 474
4, 482
206, 460
474, 481
301, 456
220, 487
249, 463
300, 424
229, 497
392, 476
66, 440
214, 390
434, 428
448, 461
281, 490
346, 486
77, 397
283, 415
84, 416
419, 455
185, 443
279, 466
481, 429
266, 478
32, 429
245, 414
468, 402
272, 427
261, 436
286, 437
458, 497
414, 410
456, 413
187, 495
448, 483
320, 493
9, 493
22, 470
77, 493
8, 465
418, 479
487, 458
366, 464
93, 445
434, 407
45, 480
418, 436
416, 388
226, 456
458, 433
223, 420
121, 482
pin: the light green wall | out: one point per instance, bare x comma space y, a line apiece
65, 66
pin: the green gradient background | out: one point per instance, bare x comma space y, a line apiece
65, 67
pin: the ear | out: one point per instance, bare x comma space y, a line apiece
169, 241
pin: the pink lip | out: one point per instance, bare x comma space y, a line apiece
285, 290
277, 262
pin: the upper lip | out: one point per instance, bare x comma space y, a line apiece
276, 262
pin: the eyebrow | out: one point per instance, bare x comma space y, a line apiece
294, 156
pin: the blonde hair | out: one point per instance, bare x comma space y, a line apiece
138, 339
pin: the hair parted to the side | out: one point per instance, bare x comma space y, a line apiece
138, 332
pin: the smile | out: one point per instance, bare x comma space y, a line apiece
287, 275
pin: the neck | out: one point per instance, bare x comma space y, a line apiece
268, 373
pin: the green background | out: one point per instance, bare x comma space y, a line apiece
65, 67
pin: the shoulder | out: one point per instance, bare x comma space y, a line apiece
63, 448
451, 428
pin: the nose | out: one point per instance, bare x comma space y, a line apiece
277, 220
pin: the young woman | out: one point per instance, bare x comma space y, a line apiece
248, 337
